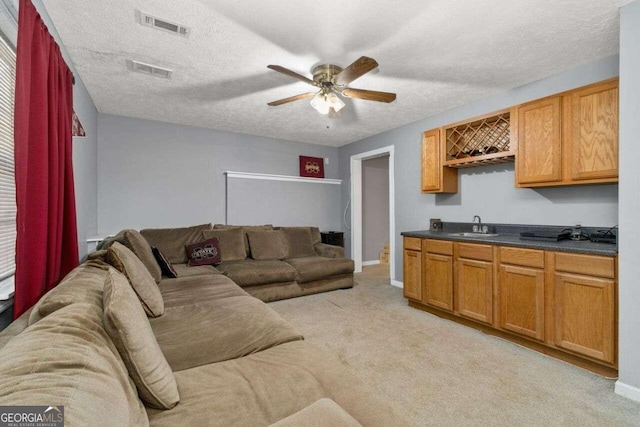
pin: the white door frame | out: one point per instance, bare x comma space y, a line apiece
356, 207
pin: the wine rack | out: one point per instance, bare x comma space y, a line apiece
480, 141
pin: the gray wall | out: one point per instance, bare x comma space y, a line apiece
629, 268
85, 150
283, 203
487, 191
375, 207
153, 174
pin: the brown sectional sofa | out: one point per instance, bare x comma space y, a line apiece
307, 267
227, 357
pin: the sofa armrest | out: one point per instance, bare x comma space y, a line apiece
329, 251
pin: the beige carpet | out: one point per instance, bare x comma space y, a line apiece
440, 373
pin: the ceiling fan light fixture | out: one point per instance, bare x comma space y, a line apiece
320, 103
323, 102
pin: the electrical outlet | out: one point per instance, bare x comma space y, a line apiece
326, 160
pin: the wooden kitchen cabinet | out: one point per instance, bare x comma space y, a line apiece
521, 285
570, 138
584, 301
435, 177
539, 156
437, 258
559, 303
412, 268
592, 145
474, 281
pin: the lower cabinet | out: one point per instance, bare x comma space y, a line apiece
521, 291
584, 315
412, 268
438, 280
475, 289
559, 300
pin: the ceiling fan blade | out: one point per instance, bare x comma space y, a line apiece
290, 73
360, 67
291, 99
369, 95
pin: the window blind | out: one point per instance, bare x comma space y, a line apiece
7, 179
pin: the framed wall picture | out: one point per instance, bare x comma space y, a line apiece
311, 167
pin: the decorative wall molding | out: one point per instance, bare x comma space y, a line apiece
271, 177
628, 391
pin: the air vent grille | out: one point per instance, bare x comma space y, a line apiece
161, 24
152, 70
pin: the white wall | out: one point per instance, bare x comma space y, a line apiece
629, 268
375, 207
153, 174
85, 150
488, 191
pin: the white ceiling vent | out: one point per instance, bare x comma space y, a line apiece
147, 20
152, 70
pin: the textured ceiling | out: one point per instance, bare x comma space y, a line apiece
435, 54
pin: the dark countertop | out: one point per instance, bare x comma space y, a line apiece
509, 237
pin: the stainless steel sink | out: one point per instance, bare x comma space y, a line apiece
473, 234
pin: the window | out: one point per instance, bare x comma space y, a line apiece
7, 180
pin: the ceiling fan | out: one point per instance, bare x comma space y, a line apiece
332, 80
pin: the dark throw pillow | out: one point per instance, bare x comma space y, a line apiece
163, 262
206, 252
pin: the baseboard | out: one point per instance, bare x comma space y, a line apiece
397, 283
628, 391
374, 262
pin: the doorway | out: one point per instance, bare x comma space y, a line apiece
357, 200
375, 216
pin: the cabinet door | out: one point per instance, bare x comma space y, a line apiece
584, 315
412, 275
539, 156
438, 281
431, 161
594, 132
435, 177
475, 289
522, 300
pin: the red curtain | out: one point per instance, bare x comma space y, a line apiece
46, 242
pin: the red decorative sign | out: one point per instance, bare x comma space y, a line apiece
312, 167
76, 126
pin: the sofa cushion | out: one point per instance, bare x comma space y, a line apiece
165, 265
265, 387
204, 252
184, 270
213, 331
171, 241
267, 244
83, 284
129, 329
258, 272
143, 284
68, 359
299, 243
244, 229
139, 246
316, 267
193, 289
323, 413
231, 242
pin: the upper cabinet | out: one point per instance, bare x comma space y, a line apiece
568, 139
435, 177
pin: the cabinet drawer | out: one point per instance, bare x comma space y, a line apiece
589, 265
413, 243
524, 257
438, 247
473, 251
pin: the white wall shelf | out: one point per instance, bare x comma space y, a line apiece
270, 177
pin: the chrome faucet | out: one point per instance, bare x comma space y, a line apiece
479, 228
